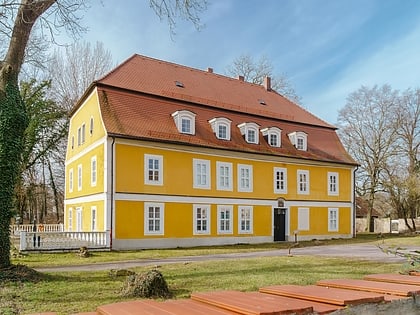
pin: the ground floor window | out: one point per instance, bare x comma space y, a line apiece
224, 219
303, 219
153, 218
245, 219
332, 219
201, 219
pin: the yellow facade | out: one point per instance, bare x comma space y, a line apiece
120, 192
179, 221
178, 174
178, 181
85, 169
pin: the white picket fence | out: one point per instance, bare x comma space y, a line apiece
17, 228
62, 241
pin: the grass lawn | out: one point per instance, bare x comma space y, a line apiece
72, 292
60, 259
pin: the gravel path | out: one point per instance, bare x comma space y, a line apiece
356, 251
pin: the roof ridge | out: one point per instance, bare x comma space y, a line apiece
116, 68
306, 110
196, 70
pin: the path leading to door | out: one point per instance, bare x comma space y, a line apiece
356, 251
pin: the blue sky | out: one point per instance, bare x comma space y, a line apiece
327, 48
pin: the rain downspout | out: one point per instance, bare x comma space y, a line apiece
354, 201
112, 192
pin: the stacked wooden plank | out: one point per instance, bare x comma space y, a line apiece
325, 297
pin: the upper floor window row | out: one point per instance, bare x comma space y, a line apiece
221, 126
81, 133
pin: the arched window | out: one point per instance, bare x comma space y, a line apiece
299, 139
184, 121
250, 131
273, 136
221, 127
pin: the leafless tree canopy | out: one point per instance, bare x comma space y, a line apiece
74, 68
380, 127
48, 17
255, 71
170, 10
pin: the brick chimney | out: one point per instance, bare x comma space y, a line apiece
241, 78
267, 83
210, 70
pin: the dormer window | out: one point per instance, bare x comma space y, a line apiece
185, 121
250, 132
273, 136
299, 140
221, 127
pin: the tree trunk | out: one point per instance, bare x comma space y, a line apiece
55, 192
13, 122
13, 118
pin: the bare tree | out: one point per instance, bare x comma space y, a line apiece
368, 124
403, 172
255, 71
172, 9
17, 20
72, 70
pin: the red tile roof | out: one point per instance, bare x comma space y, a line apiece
138, 97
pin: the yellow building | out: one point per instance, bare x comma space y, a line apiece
162, 155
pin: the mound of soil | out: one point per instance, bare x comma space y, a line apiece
19, 273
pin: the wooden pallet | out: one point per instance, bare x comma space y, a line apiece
371, 286
394, 278
253, 303
322, 294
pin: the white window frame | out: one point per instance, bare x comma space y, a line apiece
71, 180
147, 218
303, 182
93, 218
242, 170
79, 136
70, 220
333, 217
303, 219
83, 133
184, 115
248, 127
159, 181
247, 211
216, 123
93, 171
224, 217
79, 219
299, 139
198, 176
224, 184
91, 126
79, 177
196, 219
333, 184
277, 181
272, 131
